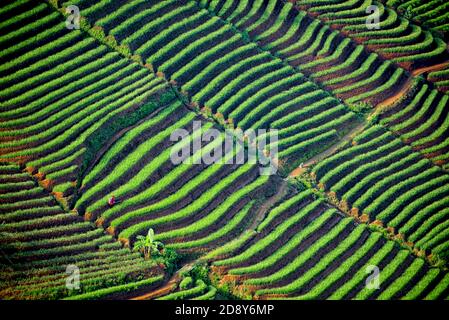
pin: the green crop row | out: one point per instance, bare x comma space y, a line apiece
165, 181
292, 243
430, 120
420, 196
306, 37
270, 238
195, 206
395, 191
319, 137
249, 104
390, 83
354, 56
204, 222
41, 52
337, 53
44, 106
114, 108
269, 69
229, 58
305, 255
417, 290
433, 213
270, 104
61, 73
199, 288
349, 153
295, 200
323, 263
311, 48
299, 18
377, 189
355, 74
385, 275
128, 162
280, 112
230, 226
23, 214
160, 39
361, 274
347, 167
341, 270
350, 180
98, 294
409, 108
123, 102
281, 17
401, 281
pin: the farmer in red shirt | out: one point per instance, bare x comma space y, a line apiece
111, 201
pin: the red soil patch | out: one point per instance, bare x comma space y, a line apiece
125, 242
297, 172
354, 212
88, 216
166, 289
435, 67
149, 66
392, 100
377, 223
110, 230
47, 184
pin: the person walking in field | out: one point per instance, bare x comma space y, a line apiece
111, 201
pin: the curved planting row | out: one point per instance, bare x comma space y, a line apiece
195, 50
60, 89
432, 14
39, 242
337, 63
192, 205
440, 78
394, 38
313, 48
190, 289
305, 250
380, 179
422, 120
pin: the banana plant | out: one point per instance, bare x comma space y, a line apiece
147, 244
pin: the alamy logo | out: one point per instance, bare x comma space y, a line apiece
73, 19
373, 280
73, 279
373, 20
211, 146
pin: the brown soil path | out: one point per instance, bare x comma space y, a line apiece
263, 210
173, 283
168, 287
328, 152
391, 100
435, 67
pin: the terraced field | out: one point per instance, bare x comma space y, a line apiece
307, 250
39, 240
354, 119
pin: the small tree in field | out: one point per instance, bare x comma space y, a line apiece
147, 244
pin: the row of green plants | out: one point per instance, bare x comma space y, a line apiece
389, 39
386, 180
292, 243
310, 47
192, 208
43, 240
177, 69
313, 250
340, 271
